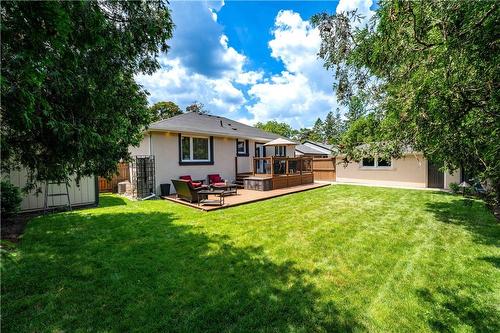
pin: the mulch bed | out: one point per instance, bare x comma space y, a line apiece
13, 227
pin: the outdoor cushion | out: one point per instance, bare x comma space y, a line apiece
215, 178
188, 178
219, 184
185, 191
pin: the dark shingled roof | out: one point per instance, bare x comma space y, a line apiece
193, 122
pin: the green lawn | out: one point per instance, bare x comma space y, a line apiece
340, 258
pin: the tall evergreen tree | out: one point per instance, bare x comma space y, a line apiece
333, 127
317, 132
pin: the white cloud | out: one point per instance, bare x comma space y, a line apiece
214, 73
301, 93
362, 7
206, 70
175, 83
250, 77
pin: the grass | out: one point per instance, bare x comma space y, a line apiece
340, 258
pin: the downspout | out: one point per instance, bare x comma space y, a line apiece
150, 144
151, 154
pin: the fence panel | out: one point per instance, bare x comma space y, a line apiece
324, 169
112, 185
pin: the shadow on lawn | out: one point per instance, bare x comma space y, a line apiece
110, 201
142, 271
473, 216
452, 307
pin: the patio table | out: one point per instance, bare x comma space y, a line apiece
228, 188
218, 194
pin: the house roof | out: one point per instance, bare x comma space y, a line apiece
308, 150
322, 145
281, 142
193, 122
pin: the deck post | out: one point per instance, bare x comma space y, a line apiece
272, 166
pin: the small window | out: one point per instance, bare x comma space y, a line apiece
242, 147
383, 162
368, 162
195, 149
376, 162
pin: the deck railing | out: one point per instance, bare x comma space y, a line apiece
282, 166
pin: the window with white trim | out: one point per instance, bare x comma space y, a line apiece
195, 149
376, 162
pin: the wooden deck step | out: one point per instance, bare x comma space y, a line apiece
240, 177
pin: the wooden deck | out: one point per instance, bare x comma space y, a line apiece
248, 196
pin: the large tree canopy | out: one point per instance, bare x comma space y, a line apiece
164, 110
429, 69
276, 127
70, 104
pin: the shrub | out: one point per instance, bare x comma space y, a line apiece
454, 188
11, 198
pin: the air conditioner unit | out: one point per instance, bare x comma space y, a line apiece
123, 187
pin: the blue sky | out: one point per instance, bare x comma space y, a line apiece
248, 60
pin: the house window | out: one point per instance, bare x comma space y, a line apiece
376, 162
241, 147
195, 149
368, 162
280, 151
383, 162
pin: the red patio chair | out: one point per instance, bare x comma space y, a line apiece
193, 184
216, 180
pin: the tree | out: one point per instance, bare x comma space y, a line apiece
302, 134
333, 128
273, 126
430, 72
317, 132
70, 104
164, 110
356, 108
197, 107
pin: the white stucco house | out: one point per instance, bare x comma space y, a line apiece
200, 144
197, 145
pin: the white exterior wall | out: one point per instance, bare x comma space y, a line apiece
409, 171
82, 195
165, 148
143, 148
290, 151
451, 177
245, 162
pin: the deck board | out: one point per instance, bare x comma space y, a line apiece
248, 196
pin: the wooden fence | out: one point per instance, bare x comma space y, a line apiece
112, 185
324, 169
